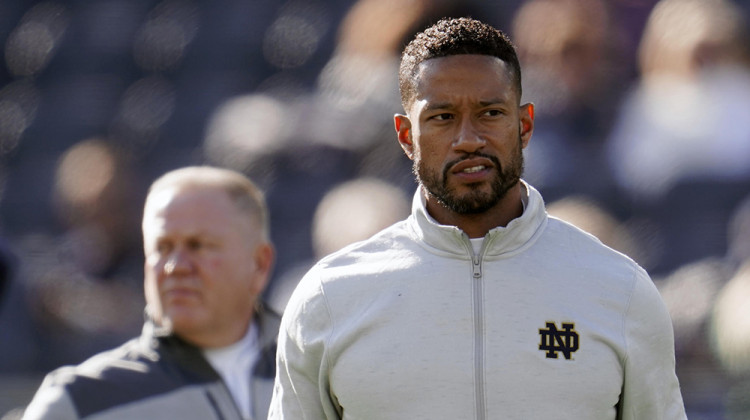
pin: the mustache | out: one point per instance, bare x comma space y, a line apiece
467, 156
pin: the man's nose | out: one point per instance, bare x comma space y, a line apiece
468, 138
177, 262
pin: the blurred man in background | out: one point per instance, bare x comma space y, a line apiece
208, 346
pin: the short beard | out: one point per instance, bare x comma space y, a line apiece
476, 201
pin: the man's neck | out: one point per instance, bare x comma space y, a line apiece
477, 225
219, 338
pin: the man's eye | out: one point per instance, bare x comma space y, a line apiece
163, 247
493, 112
443, 117
195, 245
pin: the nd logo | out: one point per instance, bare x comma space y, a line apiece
554, 340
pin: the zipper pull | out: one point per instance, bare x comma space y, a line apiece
477, 267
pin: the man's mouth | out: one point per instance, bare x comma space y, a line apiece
471, 165
473, 169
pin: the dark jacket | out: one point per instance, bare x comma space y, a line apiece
154, 376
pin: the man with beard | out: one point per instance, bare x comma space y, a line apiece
479, 305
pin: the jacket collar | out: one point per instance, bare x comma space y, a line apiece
155, 338
500, 241
268, 323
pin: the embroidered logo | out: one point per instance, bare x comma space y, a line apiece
564, 340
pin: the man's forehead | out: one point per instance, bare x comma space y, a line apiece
440, 63
179, 193
160, 198
182, 203
437, 80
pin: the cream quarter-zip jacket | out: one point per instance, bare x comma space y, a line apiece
545, 322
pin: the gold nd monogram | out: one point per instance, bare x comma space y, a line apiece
554, 340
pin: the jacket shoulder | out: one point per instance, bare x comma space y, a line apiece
394, 237
583, 250
581, 239
86, 388
105, 365
129, 373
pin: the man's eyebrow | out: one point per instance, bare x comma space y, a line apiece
493, 102
448, 105
437, 105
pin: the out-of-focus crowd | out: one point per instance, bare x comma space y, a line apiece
642, 138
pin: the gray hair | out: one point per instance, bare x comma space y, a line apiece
243, 192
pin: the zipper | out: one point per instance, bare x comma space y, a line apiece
478, 296
215, 405
477, 267
478, 337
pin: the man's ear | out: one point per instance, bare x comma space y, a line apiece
403, 131
526, 123
264, 257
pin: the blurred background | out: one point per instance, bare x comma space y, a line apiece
642, 138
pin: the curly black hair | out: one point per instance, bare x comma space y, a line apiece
454, 36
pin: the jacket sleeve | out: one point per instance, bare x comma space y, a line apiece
302, 389
51, 402
651, 389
